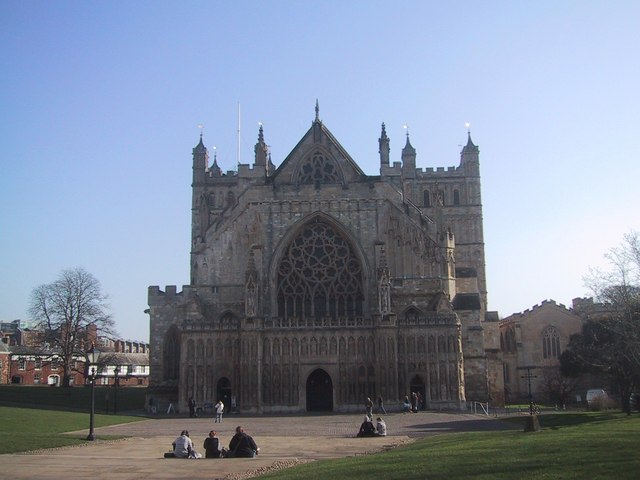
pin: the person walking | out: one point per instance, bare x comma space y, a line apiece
219, 411
368, 406
381, 405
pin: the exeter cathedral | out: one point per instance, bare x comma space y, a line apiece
314, 285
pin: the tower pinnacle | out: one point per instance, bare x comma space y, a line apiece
384, 149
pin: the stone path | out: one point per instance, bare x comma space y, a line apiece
283, 440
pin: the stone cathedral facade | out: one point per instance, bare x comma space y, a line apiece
314, 285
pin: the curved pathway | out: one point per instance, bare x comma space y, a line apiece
283, 441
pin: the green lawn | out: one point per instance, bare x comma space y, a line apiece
24, 429
584, 446
570, 445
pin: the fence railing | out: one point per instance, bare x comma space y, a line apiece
479, 407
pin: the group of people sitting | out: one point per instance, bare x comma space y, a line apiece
368, 429
241, 446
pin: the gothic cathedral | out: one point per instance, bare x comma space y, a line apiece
315, 286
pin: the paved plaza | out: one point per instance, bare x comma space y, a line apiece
283, 441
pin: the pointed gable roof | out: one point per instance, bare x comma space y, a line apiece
318, 158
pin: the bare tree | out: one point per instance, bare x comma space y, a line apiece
65, 310
557, 386
610, 342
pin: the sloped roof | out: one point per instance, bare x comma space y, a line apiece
121, 358
311, 140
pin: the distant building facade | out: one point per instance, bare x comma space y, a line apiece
27, 359
532, 342
314, 286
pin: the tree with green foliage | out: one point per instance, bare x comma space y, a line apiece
65, 309
609, 343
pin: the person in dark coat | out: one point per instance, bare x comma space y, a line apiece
212, 446
366, 428
192, 407
242, 445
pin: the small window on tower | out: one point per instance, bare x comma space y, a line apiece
456, 197
427, 198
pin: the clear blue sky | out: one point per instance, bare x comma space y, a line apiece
101, 103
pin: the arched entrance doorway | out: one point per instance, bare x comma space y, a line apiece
319, 392
417, 386
223, 392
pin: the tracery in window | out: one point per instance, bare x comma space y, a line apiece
318, 169
550, 343
319, 275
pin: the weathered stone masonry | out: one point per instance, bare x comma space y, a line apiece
314, 285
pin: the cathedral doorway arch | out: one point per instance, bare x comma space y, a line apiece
223, 392
319, 392
417, 386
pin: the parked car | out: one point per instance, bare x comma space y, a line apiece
596, 398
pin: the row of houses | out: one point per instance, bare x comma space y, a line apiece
26, 358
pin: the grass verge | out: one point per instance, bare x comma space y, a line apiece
594, 446
25, 429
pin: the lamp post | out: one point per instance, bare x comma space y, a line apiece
116, 372
528, 376
92, 360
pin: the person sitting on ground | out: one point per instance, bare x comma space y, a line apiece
242, 445
381, 427
366, 428
183, 446
212, 446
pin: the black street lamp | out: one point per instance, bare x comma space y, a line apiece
528, 376
92, 360
116, 372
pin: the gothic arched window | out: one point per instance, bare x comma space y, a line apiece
319, 275
550, 343
171, 354
456, 197
231, 198
426, 198
411, 315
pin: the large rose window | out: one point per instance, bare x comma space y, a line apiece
319, 275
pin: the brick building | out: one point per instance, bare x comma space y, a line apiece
27, 359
